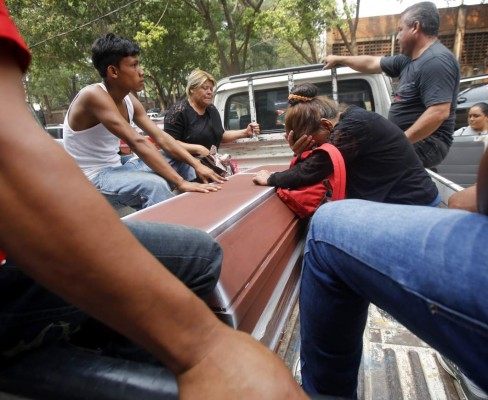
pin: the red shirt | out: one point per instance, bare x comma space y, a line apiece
9, 35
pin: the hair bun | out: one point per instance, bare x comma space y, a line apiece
302, 93
295, 98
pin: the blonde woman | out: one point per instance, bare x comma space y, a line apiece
196, 123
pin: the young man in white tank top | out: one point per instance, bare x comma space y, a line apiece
101, 115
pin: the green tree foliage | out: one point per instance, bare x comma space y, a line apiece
60, 52
230, 24
224, 37
60, 35
299, 24
173, 43
345, 19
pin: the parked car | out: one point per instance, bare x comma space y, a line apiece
472, 90
159, 119
156, 110
55, 130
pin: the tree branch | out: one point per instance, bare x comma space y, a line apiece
300, 51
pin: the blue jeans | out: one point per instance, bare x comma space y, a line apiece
136, 185
427, 267
431, 151
31, 316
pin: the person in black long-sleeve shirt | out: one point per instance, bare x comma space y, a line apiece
381, 164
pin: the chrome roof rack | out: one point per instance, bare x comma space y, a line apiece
279, 71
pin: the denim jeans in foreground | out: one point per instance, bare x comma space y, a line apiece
427, 267
31, 316
136, 185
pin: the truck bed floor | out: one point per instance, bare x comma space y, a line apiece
396, 364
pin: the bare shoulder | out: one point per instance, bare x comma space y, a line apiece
93, 94
85, 107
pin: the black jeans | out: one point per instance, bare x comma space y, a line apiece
31, 316
431, 151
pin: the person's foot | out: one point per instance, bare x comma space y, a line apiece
470, 389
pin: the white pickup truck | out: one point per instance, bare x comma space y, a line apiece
262, 97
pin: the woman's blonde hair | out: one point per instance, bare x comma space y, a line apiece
197, 78
305, 110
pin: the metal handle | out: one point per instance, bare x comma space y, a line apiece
252, 104
333, 74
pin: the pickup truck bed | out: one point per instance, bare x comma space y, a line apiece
262, 243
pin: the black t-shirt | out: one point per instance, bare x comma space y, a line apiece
431, 79
381, 164
186, 125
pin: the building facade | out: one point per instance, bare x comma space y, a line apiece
463, 29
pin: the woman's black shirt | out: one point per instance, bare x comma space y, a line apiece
186, 125
381, 164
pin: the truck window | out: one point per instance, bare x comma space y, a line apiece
271, 104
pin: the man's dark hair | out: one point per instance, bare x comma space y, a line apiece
427, 15
109, 49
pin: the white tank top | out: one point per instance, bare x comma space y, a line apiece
94, 148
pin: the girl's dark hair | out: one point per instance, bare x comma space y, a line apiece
109, 49
305, 110
483, 107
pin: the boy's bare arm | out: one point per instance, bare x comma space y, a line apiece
170, 145
99, 103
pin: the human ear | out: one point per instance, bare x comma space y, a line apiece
325, 123
112, 71
416, 26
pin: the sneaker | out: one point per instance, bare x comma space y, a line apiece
470, 389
